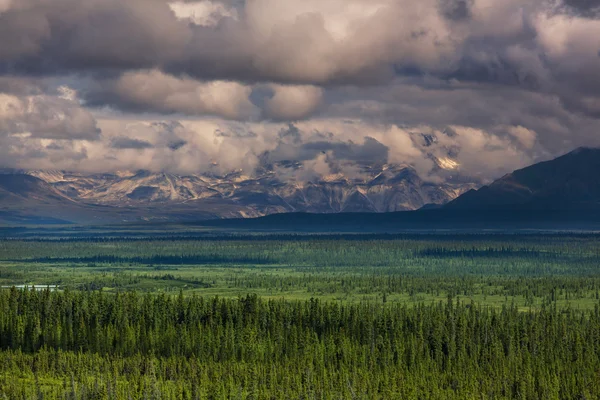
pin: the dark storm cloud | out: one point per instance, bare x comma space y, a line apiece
456, 9
273, 40
369, 151
20, 86
495, 69
235, 133
587, 8
264, 44
55, 146
176, 144
129, 143
290, 134
54, 36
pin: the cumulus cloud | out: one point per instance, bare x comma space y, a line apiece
290, 41
207, 13
483, 106
154, 91
48, 117
526, 137
293, 102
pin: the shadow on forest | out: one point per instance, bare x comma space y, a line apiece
158, 259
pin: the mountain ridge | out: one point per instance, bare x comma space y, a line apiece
145, 195
568, 181
560, 189
558, 194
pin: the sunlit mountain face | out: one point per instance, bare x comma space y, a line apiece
279, 187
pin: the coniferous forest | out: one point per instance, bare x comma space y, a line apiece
399, 317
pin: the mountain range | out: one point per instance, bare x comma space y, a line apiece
565, 186
59, 196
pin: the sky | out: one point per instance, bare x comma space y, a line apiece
483, 86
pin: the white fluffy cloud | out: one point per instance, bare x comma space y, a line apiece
293, 102
156, 91
207, 13
43, 116
526, 137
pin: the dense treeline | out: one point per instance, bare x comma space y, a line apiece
92, 345
256, 244
67, 236
158, 259
311, 251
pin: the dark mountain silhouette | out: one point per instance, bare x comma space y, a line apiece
25, 189
25, 199
569, 182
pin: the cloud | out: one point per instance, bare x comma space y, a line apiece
206, 13
20, 86
314, 42
5, 5
491, 108
129, 143
293, 102
370, 150
318, 82
266, 40
53, 36
154, 91
571, 44
43, 116
534, 44
456, 9
526, 137
484, 154
586, 8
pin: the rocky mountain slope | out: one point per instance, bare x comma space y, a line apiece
381, 188
274, 188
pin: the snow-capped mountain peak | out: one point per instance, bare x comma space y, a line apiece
375, 188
